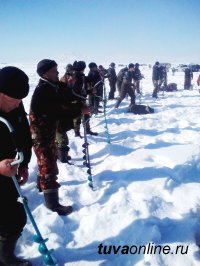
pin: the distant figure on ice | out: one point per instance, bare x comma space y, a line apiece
173, 71
103, 73
128, 86
155, 79
163, 78
188, 79
112, 77
95, 81
82, 89
137, 77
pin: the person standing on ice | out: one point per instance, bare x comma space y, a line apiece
82, 90
13, 88
128, 86
155, 79
137, 77
45, 112
94, 80
163, 78
112, 78
187, 79
73, 108
120, 76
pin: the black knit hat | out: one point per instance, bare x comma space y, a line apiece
79, 65
44, 65
131, 65
14, 82
112, 64
92, 64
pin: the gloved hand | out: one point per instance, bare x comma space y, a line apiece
22, 175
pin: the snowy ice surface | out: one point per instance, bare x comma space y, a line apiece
147, 184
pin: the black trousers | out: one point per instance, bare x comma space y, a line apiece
112, 90
13, 216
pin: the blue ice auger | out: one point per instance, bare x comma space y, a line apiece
46, 254
104, 112
86, 156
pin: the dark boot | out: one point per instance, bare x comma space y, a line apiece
7, 256
63, 155
52, 202
88, 131
118, 103
155, 94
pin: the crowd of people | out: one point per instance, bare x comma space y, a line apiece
57, 106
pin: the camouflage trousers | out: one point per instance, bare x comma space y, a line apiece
43, 134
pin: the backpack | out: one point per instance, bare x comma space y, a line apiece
140, 109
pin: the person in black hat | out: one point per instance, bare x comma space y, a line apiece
96, 83
14, 87
127, 86
155, 79
82, 90
112, 77
45, 112
74, 108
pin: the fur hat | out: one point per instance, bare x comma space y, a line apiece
14, 82
44, 65
79, 65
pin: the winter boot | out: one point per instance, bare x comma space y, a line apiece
7, 256
88, 131
52, 202
63, 155
155, 94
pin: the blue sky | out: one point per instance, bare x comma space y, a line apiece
100, 30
